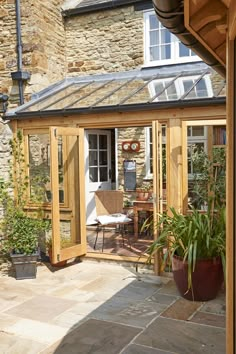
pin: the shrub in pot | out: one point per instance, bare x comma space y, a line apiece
144, 190
20, 227
195, 246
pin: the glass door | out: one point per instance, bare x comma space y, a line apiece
157, 183
67, 164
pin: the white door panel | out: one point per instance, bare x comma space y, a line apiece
97, 167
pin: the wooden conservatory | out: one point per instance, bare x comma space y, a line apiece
209, 28
59, 125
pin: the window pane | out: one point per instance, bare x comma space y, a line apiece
103, 174
153, 22
187, 86
183, 50
198, 131
165, 37
103, 157
154, 39
102, 142
171, 92
93, 161
93, 174
201, 88
165, 51
92, 141
154, 53
39, 165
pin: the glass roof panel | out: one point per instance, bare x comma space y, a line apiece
127, 88
50, 101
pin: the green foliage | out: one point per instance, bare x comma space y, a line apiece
208, 177
144, 186
194, 236
19, 226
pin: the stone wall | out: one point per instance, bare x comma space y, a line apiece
43, 39
105, 41
127, 134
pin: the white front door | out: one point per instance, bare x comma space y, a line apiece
97, 167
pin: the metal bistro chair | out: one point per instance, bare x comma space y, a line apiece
109, 208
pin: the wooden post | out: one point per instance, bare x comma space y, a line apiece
174, 164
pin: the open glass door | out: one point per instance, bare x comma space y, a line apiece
68, 199
157, 183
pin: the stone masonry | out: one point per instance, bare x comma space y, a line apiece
105, 41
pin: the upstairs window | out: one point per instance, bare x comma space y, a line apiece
167, 89
161, 46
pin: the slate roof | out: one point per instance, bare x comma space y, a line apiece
73, 7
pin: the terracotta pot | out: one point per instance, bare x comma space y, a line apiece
142, 196
207, 278
58, 264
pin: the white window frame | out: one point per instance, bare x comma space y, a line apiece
147, 151
179, 86
191, 140
175, 58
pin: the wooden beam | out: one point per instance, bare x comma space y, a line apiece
207, 14
232, 20
230, 205
128, 119
189, 8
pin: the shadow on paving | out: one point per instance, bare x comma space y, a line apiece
145, 317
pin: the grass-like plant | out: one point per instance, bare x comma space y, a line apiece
194, 236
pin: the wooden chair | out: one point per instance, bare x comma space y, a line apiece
109, 208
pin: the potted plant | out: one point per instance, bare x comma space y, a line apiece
195, 246
20, 227
144, 190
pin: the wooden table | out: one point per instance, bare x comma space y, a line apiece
140, 206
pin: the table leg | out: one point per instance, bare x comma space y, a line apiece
135, 223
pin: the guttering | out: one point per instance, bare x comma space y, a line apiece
95, 6
202, 102
19, 75
171, 14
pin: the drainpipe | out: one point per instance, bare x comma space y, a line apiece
171, 14
19, 75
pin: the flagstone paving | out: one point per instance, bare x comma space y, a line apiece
105, 308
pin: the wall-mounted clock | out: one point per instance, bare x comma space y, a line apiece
135, 145
131, 146
126, 146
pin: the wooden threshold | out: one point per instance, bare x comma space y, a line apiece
112, 257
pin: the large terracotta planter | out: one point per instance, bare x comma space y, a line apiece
207, 278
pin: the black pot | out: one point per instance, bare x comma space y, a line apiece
207, 278
25, 265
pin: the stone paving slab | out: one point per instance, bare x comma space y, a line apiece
128, 311
209, 319
41, 313
36, 331
97, 337
183, 337
182, 309
41, 308
140, 349
10, 344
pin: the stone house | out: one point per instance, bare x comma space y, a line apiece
61, 42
